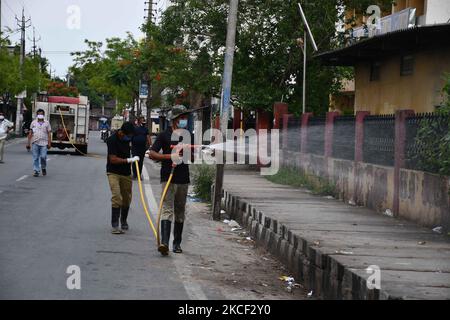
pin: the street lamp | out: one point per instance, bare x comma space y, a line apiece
302, 42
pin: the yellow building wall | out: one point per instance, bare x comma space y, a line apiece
421, 92
403, 4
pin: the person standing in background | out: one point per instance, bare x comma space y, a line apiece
5, 127
141, 143
40, 141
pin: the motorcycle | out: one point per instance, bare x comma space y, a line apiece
104, 134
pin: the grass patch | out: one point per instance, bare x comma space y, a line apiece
295, 178
203, 179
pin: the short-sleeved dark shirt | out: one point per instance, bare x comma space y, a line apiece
122, 150
181, 172
140, 137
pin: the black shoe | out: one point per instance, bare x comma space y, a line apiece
36, 174
44, 172
177, 234
115, 214
123, 218
163, 248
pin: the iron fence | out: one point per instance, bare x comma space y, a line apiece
316, 136
379, 140
344, 137
293, 134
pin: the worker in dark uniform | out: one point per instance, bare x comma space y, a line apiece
141, 142
118, 169
174, 206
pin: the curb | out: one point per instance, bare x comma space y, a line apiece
316, 271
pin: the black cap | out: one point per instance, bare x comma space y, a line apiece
127, 128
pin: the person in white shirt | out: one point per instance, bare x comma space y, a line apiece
5, 127
39, 141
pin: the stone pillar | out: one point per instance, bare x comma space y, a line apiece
400, 150
359, 135
237, 119
329, 131
304, 132
279, 110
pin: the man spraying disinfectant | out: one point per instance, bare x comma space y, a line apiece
174, 205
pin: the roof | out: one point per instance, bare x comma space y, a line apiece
408, 40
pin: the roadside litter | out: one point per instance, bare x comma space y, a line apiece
388, 213
233, 224
346, 253
438, 230
290, 283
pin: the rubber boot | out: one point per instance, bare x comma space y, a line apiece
123, 218
166, 225
177, 234
115, 215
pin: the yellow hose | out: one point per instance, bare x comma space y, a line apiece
156, 231
143, 201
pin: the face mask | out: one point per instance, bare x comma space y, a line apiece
40, 117
182, 124
143, 124
126, 139
2, 118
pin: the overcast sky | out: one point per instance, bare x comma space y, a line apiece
56, 24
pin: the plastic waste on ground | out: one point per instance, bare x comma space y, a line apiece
438, 229
389, 213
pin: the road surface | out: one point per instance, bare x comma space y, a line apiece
48, 224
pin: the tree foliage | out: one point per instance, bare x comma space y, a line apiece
433, 137
14, 79
184, 55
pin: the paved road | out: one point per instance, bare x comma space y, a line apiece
50, 223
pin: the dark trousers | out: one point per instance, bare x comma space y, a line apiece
140, 152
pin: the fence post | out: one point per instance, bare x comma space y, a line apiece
400, 150
304, 132
262, 123
237, 119
216, 124
359, 135
279, 110
329, 130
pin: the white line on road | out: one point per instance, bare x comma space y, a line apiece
149, 193
22, 178
193, 290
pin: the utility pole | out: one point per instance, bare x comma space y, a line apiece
0, 20
147, 77
305, 40
23, 26
226, 98
34, 40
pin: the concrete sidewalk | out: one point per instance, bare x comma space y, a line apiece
328, 245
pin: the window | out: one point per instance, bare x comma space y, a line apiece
375, 70
407, 65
